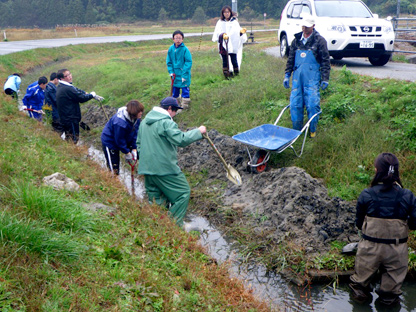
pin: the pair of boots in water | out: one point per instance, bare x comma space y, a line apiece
228, 74
363, 294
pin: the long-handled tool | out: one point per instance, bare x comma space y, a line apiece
172, 80
132, 177
232, 174
105, 114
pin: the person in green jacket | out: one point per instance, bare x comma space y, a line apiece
157, 142
179, 63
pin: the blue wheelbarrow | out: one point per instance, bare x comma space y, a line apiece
271, 138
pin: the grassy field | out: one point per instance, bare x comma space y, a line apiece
55, 255
136, 259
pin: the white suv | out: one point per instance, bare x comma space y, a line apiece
348, 26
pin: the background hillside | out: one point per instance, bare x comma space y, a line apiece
50, 13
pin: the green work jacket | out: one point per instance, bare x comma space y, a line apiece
157, 142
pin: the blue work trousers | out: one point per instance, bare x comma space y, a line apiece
305, 89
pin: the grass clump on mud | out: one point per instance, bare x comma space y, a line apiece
57, 256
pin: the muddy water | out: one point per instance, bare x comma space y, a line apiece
270, 287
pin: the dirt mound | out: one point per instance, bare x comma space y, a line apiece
283, 202
279, 203
95, 115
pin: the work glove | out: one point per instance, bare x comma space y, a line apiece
286, 81
324, 85
171, 75
129, 159
225, 36
134, 154
183, 79
98, 98
243, 30
93, 94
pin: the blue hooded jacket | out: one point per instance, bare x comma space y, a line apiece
34, 96
120, 132
179, 62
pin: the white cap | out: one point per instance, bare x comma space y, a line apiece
307, 20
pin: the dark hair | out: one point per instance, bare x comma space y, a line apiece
133, 108
60, 73
229, 9
52, 76
178, 32
387, 171
16, 74
42, 80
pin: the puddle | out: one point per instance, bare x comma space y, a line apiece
125, 173
272, 288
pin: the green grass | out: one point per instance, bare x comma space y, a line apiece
137, 258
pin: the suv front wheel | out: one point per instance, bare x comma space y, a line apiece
284, 46
380, 60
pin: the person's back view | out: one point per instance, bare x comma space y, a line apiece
385, 212
12, 85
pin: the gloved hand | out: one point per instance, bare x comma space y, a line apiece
183, 79
225, 36
286, 81
134, 154
98, 98
243, 30
93, 94
171, 75
324, 85
129, 159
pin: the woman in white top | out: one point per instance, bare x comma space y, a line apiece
230, 37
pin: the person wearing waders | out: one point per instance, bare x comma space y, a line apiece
12, 85
120, 135
157, 142
179, 63
308, 60
229, 34
385, 212
34, 97
68, 98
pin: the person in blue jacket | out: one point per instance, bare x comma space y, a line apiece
12, 85
308, 60
120, 134
34, 97
179, 63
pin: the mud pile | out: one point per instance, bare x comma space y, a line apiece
283, 203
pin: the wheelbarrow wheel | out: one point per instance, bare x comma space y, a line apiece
257, 159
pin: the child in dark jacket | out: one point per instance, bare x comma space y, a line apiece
120, 134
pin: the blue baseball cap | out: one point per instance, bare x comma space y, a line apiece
170, 101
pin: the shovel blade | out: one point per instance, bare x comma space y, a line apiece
233, 175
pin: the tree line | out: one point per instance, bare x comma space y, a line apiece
51, 13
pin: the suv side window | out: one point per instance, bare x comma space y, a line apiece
298, 9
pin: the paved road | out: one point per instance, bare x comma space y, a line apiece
17, 46
400, 71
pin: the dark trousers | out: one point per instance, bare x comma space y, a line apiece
233, 57
71, 130
56, 125
112, 158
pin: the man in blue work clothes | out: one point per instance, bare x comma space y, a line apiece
309, 61
34, 97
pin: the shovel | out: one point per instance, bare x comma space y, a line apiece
232, 174
172, 79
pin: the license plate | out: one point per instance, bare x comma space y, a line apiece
367, 44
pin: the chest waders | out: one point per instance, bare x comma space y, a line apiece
305, 89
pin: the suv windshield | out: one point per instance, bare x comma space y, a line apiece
342, 9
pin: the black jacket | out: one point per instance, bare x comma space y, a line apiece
396, 203
50, 99
319, 48
68, 98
